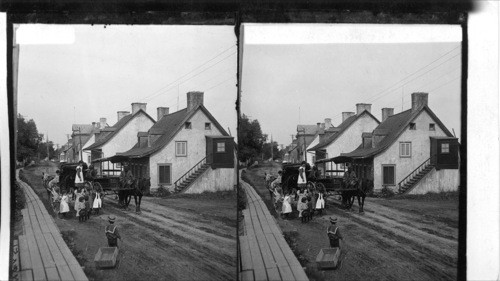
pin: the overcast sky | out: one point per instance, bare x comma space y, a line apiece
108, 68
324, 79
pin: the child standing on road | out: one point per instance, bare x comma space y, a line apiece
64, 207
287, 205
334, 234
79, 207
111, 232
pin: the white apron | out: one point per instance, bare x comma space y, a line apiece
79, 170
64, 207
287, 208
97, 201
320, 204
300, 180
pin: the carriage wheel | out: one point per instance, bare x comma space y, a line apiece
87, 185
310, 185
97, 185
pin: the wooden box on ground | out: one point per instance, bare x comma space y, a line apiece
106, 257
328, 258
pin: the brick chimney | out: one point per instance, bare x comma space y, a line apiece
346, 115
102, 123
360, 107
161, 111
194, 99
136, 106
328, 123
386, 112
418, 100
94, 125
122, 114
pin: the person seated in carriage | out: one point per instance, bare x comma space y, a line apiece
350, 179
91, 173
126, 177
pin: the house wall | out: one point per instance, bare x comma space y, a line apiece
312, 154
87, 153
420, 151
126, 138
351, 138
438, 181
214, 180
196, 150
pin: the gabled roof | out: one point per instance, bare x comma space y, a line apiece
393, 127
85, 129
168, 127
108, 133
340, 130
309, 129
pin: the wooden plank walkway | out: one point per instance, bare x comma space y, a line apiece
263, 252
43, 253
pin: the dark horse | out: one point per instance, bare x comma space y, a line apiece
362, 187
136, 189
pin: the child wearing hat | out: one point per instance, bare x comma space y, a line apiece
111, 232
334, 234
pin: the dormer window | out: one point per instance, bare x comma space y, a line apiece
187, 125
208, 126
432, 127
413, 126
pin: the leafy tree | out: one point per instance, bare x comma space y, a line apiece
267, 150
42, 149
250, 139
28, 139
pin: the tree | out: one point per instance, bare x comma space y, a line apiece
28, 139
267, 150
250, 139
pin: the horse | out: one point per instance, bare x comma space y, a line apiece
137, 189
362, 187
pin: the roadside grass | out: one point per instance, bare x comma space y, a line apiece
69, 237
35, 181
291, 237
208, 195
431, 196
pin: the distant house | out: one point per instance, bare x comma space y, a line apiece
323, 128
410, 152
90, 139
186, 151
305, 135
347, 136
122, 135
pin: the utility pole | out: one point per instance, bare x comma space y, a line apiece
48, 154
272, 148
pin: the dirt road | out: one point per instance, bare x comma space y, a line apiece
396, 239
187, 237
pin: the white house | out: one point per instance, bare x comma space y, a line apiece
410, 152
346, 137
122, 135
186, 151
322, 129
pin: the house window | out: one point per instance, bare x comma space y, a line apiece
405, 149
413, 126
164, 174
181, 148
221, 147
432, 127
208, 126
187, 125
388, 173
445, 148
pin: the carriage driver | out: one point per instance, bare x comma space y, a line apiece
126, 177
350, 178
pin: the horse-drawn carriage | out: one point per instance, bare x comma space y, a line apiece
328, 176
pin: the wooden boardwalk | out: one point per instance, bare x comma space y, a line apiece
43, 254
263, 252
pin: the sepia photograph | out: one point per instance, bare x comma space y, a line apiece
126, 163
355, 157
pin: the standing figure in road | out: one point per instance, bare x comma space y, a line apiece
64, 207
320, 202
79, 180
287, 205
97, 201
334, 234
111, 232
302, 181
